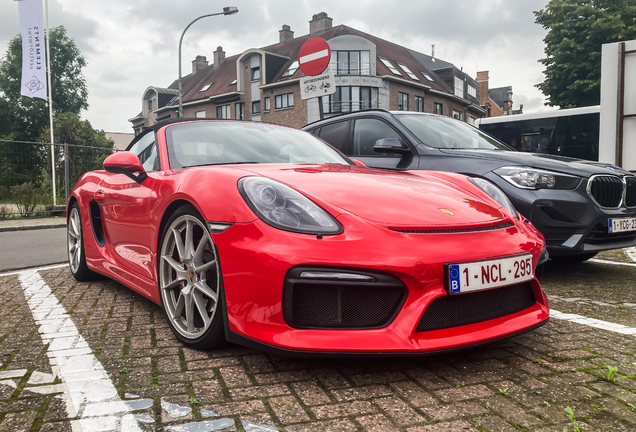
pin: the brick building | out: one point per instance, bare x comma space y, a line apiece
262, 84
497, 101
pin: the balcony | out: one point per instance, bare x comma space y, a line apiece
352, 68
337, 107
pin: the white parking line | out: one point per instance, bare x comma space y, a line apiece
89, 393
592, 322
600, 261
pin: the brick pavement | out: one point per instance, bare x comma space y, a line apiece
521, 384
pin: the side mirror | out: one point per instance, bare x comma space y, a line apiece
125, 163
359, 163
390, 145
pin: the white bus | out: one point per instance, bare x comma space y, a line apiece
570, 132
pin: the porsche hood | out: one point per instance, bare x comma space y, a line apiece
395, 199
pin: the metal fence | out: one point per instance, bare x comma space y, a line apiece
26, 183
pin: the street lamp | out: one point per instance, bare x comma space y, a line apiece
228, 10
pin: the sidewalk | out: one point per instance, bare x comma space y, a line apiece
31, 224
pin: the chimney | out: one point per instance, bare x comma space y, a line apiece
482, 80
219, 57
199, 63
320, 22
286, 33
521, 109
433, 51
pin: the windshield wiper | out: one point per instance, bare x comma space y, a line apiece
221, 163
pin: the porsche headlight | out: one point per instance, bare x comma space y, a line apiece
282, 207
495, 193
532, 178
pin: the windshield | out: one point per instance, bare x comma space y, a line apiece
218, 143
447, 132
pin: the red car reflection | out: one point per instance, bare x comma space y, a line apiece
265, 236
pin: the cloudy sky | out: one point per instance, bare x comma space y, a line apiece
130, 45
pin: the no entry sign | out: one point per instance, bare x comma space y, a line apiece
314, 56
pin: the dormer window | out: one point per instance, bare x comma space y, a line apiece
408, 71
392, 68
206, 87
459, 87
291, 70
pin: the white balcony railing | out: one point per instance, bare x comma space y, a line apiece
352, 68
347, 106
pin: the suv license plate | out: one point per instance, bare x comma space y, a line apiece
622, 225
482, 275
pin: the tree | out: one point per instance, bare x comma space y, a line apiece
70, 94
576, 31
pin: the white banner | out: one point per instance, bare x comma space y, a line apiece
319, 85
33, 60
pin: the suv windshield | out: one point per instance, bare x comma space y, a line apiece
219, 143
447, 132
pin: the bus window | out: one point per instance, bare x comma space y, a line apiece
573, 135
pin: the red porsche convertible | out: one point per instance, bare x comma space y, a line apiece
266, 236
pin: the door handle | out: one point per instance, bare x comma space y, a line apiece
99, 196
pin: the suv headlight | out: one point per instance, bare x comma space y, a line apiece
282, 207
495, 193
532, 178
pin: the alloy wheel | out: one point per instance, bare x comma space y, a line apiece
74, 240
189, 277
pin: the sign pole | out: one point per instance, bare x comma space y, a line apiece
48, 68
321, 109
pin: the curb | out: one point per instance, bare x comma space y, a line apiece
31, 227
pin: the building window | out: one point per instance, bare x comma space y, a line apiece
419, 104
199, 114
350, 62
459, 87
256, 107
137, 131
458, 115
150, 105
285, 101
471, 120
223, 112
408, 71
351, 98
403, 101
438, 108
266, 104
390, 66
239, 111
472, 91
427, 76
256, 74
205, 87
291, 69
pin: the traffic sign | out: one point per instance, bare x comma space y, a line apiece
314, 56
318, 85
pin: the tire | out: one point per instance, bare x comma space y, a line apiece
190, 281
573, 259
75, 246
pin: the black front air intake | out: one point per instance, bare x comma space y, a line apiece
325, 303
470, 308
606, 190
